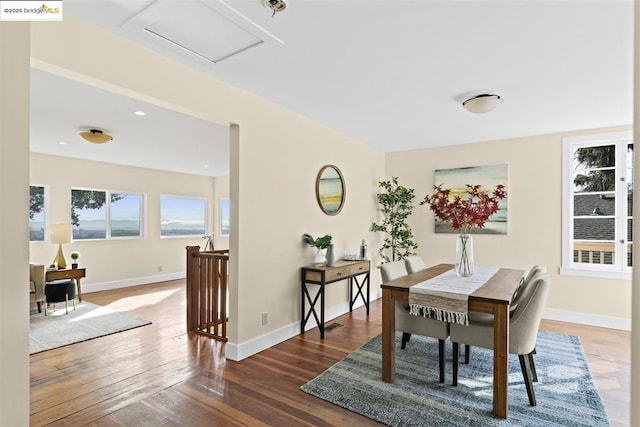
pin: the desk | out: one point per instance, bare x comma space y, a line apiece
67, 273
322, 276
494, 297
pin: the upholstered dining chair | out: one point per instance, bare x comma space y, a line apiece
414, 263
409, 324
523, 330
522, 294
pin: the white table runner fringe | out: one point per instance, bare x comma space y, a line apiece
438, 314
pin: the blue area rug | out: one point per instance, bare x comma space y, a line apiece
565, 391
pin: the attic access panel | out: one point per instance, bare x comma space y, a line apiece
205, 30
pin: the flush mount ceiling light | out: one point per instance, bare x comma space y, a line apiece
276, 5
96, 136
483, 103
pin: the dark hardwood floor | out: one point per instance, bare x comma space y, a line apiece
159, 375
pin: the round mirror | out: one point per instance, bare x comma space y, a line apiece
330, 190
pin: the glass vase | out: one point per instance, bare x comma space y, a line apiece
464, 255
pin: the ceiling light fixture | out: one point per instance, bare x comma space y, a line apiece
482, 103
139, 113
275, 5
96, 136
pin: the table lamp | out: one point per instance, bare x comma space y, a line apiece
60, 233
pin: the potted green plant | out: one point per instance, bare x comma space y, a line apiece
396, 207
74, 256
321, 243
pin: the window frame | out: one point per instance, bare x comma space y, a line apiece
205, 217
619, 270
108, 193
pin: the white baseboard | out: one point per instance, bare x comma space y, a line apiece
105, 286
588, 319
241, 351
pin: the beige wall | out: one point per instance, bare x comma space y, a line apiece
534, 217
116, 262
273, 166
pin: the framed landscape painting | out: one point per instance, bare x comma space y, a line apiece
488, 177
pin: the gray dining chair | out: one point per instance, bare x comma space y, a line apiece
414, 263
523, 330
521, 295
409, 324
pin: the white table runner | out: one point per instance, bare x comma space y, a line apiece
446, 297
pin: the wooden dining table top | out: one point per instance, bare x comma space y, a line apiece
499, 288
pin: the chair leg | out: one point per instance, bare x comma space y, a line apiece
467, 353
456, 351
526, 373
405, 339
39, 306
66, 303
534, 374
441, 359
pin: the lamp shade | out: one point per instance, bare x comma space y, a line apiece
60, 233
483, 103
96, 136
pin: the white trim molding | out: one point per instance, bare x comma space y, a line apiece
105, 286
246, 349
610, 322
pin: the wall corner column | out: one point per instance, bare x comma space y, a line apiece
14, 222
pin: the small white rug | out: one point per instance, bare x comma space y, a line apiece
86, 322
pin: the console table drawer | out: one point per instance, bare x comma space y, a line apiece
331, 274
337, 273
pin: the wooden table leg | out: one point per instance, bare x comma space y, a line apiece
79, 290
388, 337
500, 359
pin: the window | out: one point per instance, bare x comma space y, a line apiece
97, 214
597, 197
224, 217
182, 216
125, 215
36, 213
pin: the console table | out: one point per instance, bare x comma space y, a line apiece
67, 273
322, 276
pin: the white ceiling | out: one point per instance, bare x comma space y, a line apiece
392, 74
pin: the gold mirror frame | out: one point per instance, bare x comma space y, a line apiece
330, 190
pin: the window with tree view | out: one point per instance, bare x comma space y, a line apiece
36, 213
97, 214
598, 204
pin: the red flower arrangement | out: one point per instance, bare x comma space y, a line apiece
465, 213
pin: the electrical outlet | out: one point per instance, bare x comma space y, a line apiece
265, 319
159, 269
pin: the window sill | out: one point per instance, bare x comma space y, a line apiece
602, 274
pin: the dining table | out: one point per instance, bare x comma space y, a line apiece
495, 297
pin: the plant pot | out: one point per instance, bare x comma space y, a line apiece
74, 265
319, 258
